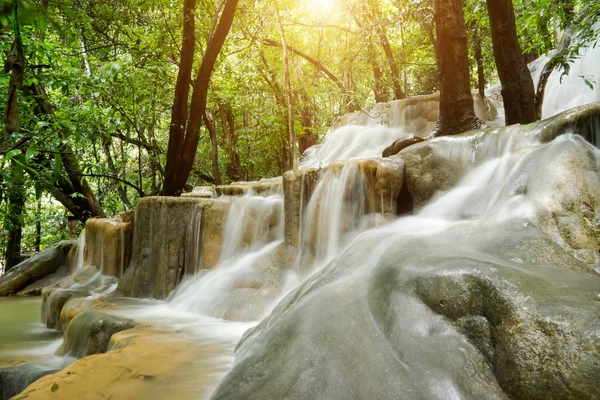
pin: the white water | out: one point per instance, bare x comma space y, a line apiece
242, 286
572, 91
334, 214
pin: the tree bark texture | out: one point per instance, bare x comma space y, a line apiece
517, 86
179, 112
14, 222
292, 162
210, 125
182, 148
457, 113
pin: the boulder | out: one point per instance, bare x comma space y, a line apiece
35, 268
434, 166
53, 301
14, 379
89, 332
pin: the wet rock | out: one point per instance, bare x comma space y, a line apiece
89, 332
200, 191
435, 166
35, 268
417, 114
14, 379
168, 238
214, 218
298, 186
108, 244
264, 187
378, 183
142, 364
53, 301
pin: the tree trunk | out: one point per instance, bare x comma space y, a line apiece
38, 227
182, 149
122, 191
14, 221
389, 55
77, 181
210, 125
179, 112
480, 67
456, 101
292, 162
231, 140
517, 86
309, 138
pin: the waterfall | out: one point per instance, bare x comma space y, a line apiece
80, 251
441, 304
243, 286
335, 212
571, 90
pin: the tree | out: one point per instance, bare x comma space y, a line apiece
456, 101
182, 146
517, 86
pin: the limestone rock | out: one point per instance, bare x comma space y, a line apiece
53, 301
35, 268
434, 166
89, 332
380, 186
108, 245
489, 292
264, 187
167, 244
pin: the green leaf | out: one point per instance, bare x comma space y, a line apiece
38, 190
31, 152
57, 167
13, 153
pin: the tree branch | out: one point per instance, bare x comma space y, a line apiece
315, 62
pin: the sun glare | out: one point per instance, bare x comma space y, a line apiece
322, 5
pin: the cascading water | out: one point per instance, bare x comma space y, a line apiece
573, 89
243, 286
409, 304
334, 213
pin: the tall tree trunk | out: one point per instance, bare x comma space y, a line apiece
389, 55
38, 227
14, 220
480, 67
378, 89
309, 138
292, 162
457, 113
517, 86
179, 112
122, 191
210, 125
228, 125
182, 150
